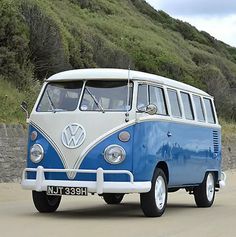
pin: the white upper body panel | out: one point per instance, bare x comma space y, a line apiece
121, 74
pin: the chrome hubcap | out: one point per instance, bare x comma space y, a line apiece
210, 189
160, 192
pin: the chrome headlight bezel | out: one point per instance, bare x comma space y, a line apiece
114, 154
36, 153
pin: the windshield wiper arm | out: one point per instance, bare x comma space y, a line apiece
50, 102
95, 100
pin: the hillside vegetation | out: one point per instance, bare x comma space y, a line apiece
41, 37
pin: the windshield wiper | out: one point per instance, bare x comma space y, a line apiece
95, 100
50, 102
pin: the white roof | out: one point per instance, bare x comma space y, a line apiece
121, 74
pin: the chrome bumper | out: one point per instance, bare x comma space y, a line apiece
99, 186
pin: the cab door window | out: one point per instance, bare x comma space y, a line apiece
143, 99
148, 94
157, 98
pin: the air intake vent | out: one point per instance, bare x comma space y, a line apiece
216, 142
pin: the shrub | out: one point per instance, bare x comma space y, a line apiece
45, 42
14, 50
106, 54
218, 86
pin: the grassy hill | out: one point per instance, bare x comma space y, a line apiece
41, 37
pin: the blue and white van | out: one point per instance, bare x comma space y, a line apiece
115, 132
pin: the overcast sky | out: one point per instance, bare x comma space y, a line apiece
217, 17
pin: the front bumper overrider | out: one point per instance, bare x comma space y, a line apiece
99, 186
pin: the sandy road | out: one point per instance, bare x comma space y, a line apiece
90, 216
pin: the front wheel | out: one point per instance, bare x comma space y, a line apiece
154, 202
44, 202
204, 194
113, 198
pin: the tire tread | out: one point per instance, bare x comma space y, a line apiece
112, 198
42, 204
200, 194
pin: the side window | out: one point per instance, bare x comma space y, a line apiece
174, 103
142, 97
209, 111
157, 98
199, 109
188, 109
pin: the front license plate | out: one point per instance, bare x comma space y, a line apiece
58, 190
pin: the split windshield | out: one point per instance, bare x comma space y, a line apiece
105, 96
58, 97
97, 96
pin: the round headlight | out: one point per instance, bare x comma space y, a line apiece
114, 154
36, 153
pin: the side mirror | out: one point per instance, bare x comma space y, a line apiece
151, 109
24, 107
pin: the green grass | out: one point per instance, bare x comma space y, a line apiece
110, 33
11, 98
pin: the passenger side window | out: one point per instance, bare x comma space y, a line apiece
209, 111
142, 97
188, 109
199, 109
157, 98
174, 103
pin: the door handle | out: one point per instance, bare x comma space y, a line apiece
169, 134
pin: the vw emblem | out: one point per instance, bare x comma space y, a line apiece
73, 135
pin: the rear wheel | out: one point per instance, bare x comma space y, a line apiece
154, 202
113, 198
204, 194
44, 202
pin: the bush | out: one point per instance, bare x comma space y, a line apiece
218, 86
94, 6
45, 42
108, 55
14, 50
81, 52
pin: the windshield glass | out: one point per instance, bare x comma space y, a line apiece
106, 96
63, 96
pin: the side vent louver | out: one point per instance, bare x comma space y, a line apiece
216, 142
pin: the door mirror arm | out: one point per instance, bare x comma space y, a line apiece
24, 107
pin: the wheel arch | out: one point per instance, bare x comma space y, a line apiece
164, 167
216, 175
